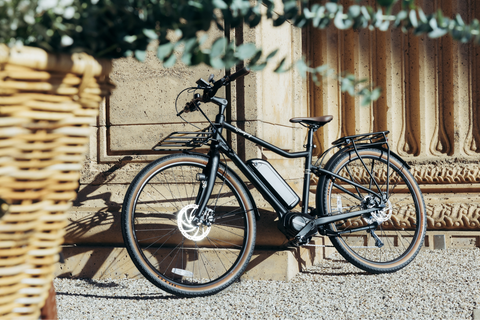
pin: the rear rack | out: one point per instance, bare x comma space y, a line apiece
178, 141
370, 139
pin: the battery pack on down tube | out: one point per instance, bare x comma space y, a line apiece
274, 182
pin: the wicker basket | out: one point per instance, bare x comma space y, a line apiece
47, 105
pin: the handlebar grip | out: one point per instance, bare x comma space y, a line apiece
240, 73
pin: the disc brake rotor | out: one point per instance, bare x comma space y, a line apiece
380, 216
187, 228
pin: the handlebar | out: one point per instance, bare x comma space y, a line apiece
240, 73
210, 91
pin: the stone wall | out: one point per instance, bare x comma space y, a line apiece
429, 105
142, 110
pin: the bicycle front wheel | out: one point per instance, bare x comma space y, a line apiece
401, 220
171, 251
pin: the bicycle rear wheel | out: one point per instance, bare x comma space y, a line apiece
167, 248
402, 222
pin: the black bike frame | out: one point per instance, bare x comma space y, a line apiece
219, 144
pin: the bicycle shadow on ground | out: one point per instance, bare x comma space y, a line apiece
360, 273
107, 219
135, 297
333, 270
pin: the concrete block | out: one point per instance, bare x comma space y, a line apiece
439, 242
97, 262
476, 314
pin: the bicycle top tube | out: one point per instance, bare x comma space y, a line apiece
263, 143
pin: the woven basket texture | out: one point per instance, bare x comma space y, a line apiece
47, 106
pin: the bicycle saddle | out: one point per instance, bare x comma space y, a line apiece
315, 121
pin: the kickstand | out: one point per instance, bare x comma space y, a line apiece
378, 242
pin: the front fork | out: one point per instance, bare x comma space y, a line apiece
207, 181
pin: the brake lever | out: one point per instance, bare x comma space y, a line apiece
191, 106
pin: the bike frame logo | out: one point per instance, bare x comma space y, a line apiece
243, 133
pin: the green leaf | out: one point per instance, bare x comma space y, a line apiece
164, 50
220, 4
281, 67
170, 62
217, 63
140, 55
376, 93
279, 21
190, 45
199, 57
151, 34
302, 68
437, 33
309, 14
130, 39
195, 4
354, 11
341, 23
422, 16
322, 69
384, 26
413, 18
271, 55
367, 98
218, 48
253, 22
331, 7
319, 14
256, 57
203, 39
459, 20
246, 51
346, 85
441, 18
402, 15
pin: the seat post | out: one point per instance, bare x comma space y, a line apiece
308, 165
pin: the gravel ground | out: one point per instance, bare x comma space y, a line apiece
438, 284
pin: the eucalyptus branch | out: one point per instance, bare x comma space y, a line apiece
118, 28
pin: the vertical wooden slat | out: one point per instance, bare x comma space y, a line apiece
462, 85
447, 87
326, 96
430, 88
474, 145
410, 145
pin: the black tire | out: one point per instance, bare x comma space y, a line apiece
402, 233
174, 255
